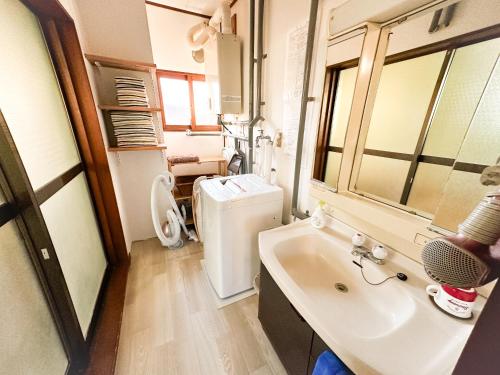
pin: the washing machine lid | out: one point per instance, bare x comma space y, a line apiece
241, 187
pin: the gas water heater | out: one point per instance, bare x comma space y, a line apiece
223, 73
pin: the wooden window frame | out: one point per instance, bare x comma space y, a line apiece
190, 78
327, 108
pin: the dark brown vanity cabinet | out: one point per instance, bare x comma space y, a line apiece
318, 346
293, 339
288, 332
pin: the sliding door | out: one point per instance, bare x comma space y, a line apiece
37, 128
28, 329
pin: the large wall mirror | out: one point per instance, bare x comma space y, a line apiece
434, 126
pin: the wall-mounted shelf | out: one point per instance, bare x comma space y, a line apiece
132, 109
111, 62
107, 94
139, 148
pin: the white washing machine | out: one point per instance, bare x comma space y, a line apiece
234, 210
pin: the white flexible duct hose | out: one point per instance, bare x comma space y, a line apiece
175, 230
222, 16
168, 180
199, 35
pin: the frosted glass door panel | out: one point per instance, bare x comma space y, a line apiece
481, 146
29, 340
382, 177
344, 92
482, 142
73, 229
462, 90
332, 168
462, 193
403, 98
30, 98
428, 185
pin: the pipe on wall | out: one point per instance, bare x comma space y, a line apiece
251, 60
258, 68
313, 14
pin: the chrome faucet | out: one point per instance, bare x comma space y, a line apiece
362, 251
262, 137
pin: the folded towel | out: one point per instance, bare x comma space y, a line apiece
329, 364
133, 129
131, 92
180, 159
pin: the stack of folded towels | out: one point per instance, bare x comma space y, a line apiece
131, 128
131, 92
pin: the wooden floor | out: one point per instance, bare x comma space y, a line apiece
171, 324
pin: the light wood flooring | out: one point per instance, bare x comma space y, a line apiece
172, 326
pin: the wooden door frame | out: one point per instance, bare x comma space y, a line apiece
64, 46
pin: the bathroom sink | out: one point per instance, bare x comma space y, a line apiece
392, 328
316, 270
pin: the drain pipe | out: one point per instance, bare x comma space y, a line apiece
258, 117
251, 60
313, 13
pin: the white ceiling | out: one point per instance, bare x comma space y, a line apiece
199, 6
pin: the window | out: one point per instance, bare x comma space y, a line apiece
185, 102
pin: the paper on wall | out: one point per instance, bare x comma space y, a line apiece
294, 78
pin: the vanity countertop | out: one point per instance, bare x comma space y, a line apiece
392, 328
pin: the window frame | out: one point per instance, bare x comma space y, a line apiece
190, 78
328, 103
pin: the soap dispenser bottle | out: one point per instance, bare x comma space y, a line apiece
318, 218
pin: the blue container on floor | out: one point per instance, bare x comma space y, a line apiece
329, 364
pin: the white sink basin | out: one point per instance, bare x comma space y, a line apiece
392, 328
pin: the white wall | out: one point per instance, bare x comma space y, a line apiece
115, 28
168, 30
276, 27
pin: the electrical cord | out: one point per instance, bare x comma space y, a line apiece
369, 282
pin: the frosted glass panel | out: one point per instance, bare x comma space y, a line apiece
342, 106
382, 177
402, 100
203, 114
29, 340
461, 195
176, 102
427, 187
73, 229
333, 168
482, 142
462, 90
481, 146
31, 99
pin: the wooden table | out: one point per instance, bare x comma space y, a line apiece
221, 163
